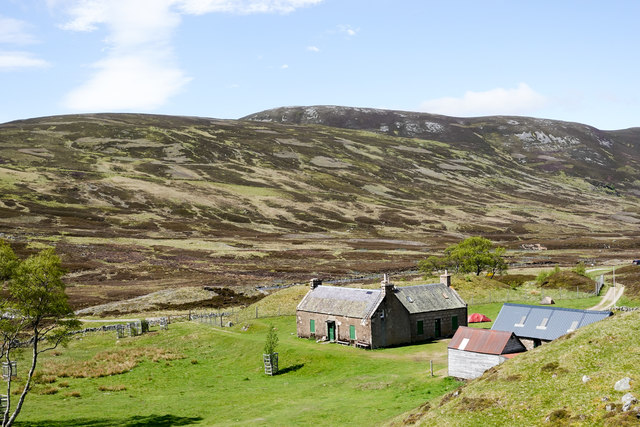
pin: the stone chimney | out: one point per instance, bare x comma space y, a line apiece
445, 279
386, 285
315, 282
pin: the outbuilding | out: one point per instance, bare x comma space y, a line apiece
383, 317
473, 350
535, 324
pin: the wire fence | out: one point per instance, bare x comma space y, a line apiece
507, 295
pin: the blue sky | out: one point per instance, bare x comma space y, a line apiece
566, 60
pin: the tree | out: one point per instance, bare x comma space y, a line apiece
271, 341
35, 315
8, 261
472, 255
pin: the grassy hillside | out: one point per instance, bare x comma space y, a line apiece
545, 386
196, 374
139, 203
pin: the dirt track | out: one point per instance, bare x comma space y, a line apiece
610, 298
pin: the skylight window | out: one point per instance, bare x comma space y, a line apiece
521, 323
574, 326
463, 344
445, 295
543, 324
409, 298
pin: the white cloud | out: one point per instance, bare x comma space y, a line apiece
348, 30
313, 49
134, 82
518, 101
139, 70
15, 60
284, 66
14, 31
199, 7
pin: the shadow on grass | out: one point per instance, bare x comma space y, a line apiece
291, 368
136, 421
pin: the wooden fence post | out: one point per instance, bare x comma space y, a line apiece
431, 366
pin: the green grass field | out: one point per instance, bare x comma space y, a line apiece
208, 376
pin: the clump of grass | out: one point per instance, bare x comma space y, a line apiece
50, 390
117, 387
194, 361
112, 362
557, 416
73, 394
63, 384
473, 404
41, 377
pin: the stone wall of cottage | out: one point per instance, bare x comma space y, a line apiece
303, 318
429, 323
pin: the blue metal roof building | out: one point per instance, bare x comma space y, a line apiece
544, 323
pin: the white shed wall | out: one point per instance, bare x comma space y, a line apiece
469, 365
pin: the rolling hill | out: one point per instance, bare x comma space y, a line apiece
137, 203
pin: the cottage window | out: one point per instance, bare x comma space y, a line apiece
543, 324
521, 323
420, 327
352, 332
312, 326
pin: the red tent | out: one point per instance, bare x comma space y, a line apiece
477, 318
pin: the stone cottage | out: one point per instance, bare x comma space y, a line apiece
383, 317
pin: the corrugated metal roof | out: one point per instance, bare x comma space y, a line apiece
542, 322
349, 302
485, 341
433, 297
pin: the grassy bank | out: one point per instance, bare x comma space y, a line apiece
545, 387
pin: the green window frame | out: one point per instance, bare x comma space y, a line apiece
420, 327
352, 332
312, 326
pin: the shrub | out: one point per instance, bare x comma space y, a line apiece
580, 269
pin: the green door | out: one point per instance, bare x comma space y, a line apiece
454, 324
420, 327
331, 326
352, 332
438, 329
312, 326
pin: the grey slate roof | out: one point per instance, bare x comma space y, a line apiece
559, 320
360, 303
349, 302
433, 297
